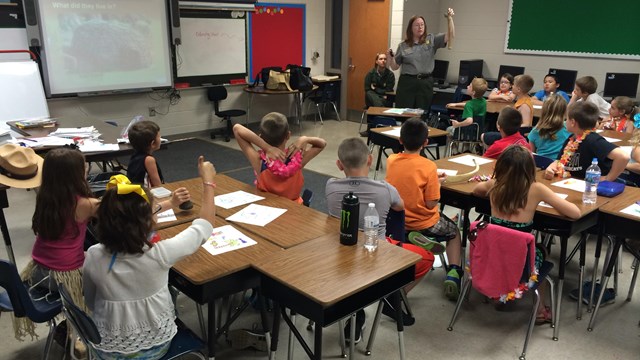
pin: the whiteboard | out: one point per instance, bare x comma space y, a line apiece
21, 96
14, 39
212, 46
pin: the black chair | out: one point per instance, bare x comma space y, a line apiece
328, 93
184, 342
469, 134
542, 162
217, 94
458, 96
45, 309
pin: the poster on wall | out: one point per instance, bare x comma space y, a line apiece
276, 36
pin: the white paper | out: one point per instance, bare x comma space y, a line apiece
544, 204
447, 172
226, 238
35, 142
468, 160
160, 192
393, 132
397, 111
599, 131
257, 215
571, 184
92, 146
537, 106
166, 216
237, 198
611, 140
633, 209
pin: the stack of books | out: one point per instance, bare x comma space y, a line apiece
36, 123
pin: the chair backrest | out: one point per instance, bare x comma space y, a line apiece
23, 304
498, 257
81, 322
395, 225
459, 95
542, 162
329, 92
381, 121
470, 132
215, 95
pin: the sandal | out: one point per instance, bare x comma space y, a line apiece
544, 317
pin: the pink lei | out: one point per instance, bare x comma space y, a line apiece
284, 169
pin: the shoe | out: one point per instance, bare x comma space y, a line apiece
364, 133
388, 310
609, 296
426, 243
544, 317
244, 338
360, 325
452, 285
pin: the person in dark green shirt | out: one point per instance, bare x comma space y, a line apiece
378, 82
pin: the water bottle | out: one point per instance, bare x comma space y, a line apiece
371, 225
349, 219
591, 180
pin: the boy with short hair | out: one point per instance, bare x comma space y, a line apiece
355, 160
477, 106
522, 84
584, 145
550, 86
417, 181
144, 137
585, 90
278, 168
508, 124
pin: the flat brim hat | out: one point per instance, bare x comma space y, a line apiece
20, 167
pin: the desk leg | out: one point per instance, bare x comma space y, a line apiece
378, 161
5, 233
583, 249
211, 340
298, 101
396, 303
265, 321
563, 257
317, 343
249, 103
352, 335
275, 330
610, 262
292, 315
596, 264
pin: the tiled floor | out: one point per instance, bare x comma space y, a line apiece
480, 332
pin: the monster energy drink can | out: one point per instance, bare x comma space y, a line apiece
349, 219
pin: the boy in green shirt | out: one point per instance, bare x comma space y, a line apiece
476, 107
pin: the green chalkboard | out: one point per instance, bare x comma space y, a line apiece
589, 28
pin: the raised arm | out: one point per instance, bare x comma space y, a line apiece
391, 60
247, 138
451, 30
207, 174
317, 145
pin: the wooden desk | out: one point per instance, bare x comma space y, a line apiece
184, 216
325, 281
380, 111
296, 226
494, 107
623, 136
204, 277
261, 90
384, 141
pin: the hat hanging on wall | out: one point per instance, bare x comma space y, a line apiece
20, 167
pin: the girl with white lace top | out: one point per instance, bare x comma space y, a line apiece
125, 275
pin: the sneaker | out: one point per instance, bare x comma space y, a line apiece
364, 133
388, 310
244, 338
452, 285
360, 325
426, 243
609, 296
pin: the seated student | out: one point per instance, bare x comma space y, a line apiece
477, 106
278, 168
550, 86
584, 145
622, 109
417, 181
378, 82
509, 121
144, 137
355, 160
547, 137
503, 92
522, 84
585, 90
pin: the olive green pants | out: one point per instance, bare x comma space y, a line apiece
414, 93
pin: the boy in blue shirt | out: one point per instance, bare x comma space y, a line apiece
550, 86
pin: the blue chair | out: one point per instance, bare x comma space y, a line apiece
542, 162
23, 305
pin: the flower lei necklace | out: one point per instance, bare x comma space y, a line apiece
572, 146
285, 169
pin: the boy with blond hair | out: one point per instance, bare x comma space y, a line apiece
585, 90
477, 106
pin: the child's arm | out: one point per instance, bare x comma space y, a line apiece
482, 189
152, 171
179, 196
563, 206
466, 122
525, 111
455, 105
247, 138
86, 208
535, 100
635, 155
553, 169
88, 286
207, 173
317, 145
620, 161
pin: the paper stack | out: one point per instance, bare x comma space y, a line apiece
87, 132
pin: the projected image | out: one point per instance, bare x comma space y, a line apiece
105, 43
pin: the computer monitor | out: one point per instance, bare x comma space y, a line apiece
566, 79
440, 71
513, 70
621, 84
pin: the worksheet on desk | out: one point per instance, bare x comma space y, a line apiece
633, 209
571, 184
256, 215
393, 132
611, 140
236, 198
226, 238
544, 204
166, 216
469, 160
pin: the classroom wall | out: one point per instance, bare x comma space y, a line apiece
194, 111
480, 34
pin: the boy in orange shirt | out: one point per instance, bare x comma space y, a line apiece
417, 181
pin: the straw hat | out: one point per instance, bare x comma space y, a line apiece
20, 167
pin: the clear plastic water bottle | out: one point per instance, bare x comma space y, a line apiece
591, 180
371, 225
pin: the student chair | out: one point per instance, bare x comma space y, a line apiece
217, 94
468, 135
328, 93
458, 96
384, 142
184, 342
542, 162
500, 261
24, 303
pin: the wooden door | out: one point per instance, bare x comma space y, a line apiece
368, 35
